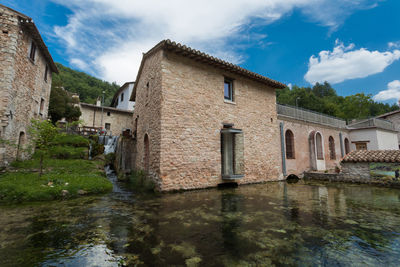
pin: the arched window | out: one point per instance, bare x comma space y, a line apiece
146, 157
332, 152
289, 144
346, 146
320, 153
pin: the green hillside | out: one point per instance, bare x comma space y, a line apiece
87, 87
323, 98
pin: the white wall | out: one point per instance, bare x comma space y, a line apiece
387, 140
126, 104
361, 135
378, 139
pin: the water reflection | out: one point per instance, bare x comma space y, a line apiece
271, 224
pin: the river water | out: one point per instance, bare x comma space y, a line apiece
298, 224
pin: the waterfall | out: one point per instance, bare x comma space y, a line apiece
111, 144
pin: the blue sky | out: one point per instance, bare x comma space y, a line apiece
353, 44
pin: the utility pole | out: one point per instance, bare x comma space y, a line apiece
102, 110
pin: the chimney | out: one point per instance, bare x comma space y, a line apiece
98, 102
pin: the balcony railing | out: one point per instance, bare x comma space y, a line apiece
374, 122
310, 116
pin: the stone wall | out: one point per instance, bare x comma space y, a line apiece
22, 85
301, 131
352, 172
193, 111
118, 119
147, 113
125, 156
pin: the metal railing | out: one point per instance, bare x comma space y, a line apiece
310, 116
373, 122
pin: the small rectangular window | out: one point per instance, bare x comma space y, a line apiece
232, 153
108, 126
33, 51
41, 106
45, 73
228, 89
108, 113
122, 97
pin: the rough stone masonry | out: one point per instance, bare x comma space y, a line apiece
26, 67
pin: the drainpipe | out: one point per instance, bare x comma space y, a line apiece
341, 144
283, 149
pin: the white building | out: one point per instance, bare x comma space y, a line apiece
121, 97
373, 134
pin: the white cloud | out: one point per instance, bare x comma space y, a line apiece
346, 62
393, 92
111, 35
394, 44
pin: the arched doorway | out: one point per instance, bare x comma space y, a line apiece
21, 142
146, 157
317, 160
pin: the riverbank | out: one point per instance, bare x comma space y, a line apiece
61, 179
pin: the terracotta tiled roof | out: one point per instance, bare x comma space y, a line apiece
373, 156
28, 24
199, 56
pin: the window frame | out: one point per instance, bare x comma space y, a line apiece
105, 126
234, 175
231, 97
46, 72
32, 52
332, 150
319, 147
41, 106
289, 153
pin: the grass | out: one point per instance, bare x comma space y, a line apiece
76, 176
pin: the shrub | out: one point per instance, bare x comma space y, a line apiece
110, 158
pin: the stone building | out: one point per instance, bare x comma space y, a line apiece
201, 121
25, 80
316, 141
121, 97
311, 140
113, 120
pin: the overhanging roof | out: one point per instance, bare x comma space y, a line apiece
199, 56
27, 24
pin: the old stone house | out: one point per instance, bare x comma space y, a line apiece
201, 121
25, 80
110, 119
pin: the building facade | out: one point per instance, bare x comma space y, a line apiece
200, 121
393, 117
121, 97
25, 81
113, 120
311, 140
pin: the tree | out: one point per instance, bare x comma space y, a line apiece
42, 135
62, 106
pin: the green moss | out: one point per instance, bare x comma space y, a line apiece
72, 175
141, 182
